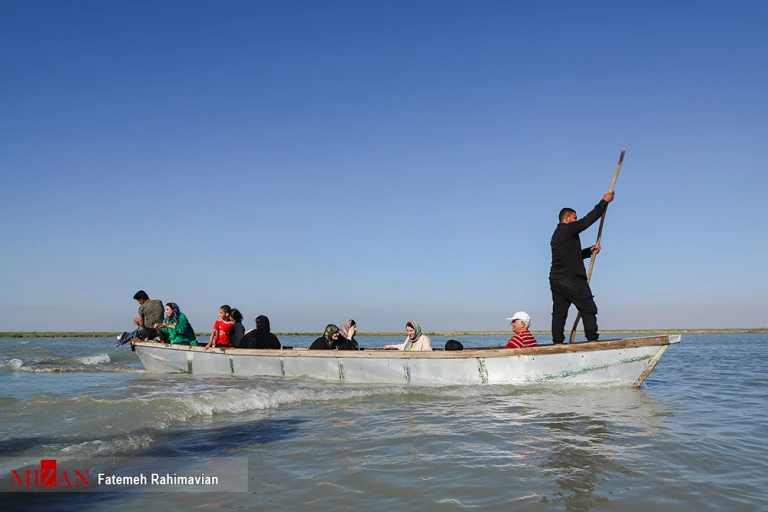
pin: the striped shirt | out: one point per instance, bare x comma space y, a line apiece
523, 340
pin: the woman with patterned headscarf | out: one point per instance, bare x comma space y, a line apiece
328, 340
347, 339
415, 341
176, 328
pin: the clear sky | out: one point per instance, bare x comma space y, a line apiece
383, 161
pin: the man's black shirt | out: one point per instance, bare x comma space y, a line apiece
567, 254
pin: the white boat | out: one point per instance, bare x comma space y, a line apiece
624, 361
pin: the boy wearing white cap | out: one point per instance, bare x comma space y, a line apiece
521, 322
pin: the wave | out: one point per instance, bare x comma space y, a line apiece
94, 363
240, 400
161, 409
134, 421
75, 369
12, 364
129, 444
97, 359
132, 424
181, 402
173, 403
87, 360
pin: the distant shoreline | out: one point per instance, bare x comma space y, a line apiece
35, 334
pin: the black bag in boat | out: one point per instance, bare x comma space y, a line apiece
453, 345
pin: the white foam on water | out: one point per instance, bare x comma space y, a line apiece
97, 359
234, 401
181, 406
13, 364
78, 369
178, 406
126, 445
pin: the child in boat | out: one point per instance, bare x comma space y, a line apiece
521, 322
222, 329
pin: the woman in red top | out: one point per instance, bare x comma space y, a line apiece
222, 329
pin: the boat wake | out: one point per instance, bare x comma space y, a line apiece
94, 363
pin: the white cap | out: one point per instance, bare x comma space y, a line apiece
521, 315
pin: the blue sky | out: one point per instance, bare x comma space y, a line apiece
383, 161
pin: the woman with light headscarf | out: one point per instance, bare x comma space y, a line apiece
175, 328
415, 341
347, 339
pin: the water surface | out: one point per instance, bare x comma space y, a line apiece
694, 437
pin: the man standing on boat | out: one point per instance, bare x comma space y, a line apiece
567, 276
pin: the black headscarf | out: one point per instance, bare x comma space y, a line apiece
262, 323
261, 337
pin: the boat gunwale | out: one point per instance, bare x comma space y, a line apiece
380, 353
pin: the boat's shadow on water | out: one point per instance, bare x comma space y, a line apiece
216, 441
221, 441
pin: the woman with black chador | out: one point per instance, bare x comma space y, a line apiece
261, 337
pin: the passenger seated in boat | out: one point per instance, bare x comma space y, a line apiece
415, 341
150, 313
521, 322
238, 330
261, 337
347, 339
222, 329
175, 329
328, 340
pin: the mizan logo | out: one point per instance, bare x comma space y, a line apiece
47, 477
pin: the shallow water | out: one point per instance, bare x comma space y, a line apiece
694, 437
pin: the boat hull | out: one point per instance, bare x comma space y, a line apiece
627, 361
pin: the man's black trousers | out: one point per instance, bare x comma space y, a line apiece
574, 291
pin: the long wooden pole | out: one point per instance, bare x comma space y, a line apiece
599, 236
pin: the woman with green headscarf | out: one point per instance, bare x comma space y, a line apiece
328, 340
415, 341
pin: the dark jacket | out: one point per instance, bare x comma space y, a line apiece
567, 254
261, 337
345, 344
326, 341
320, 344
236, 338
